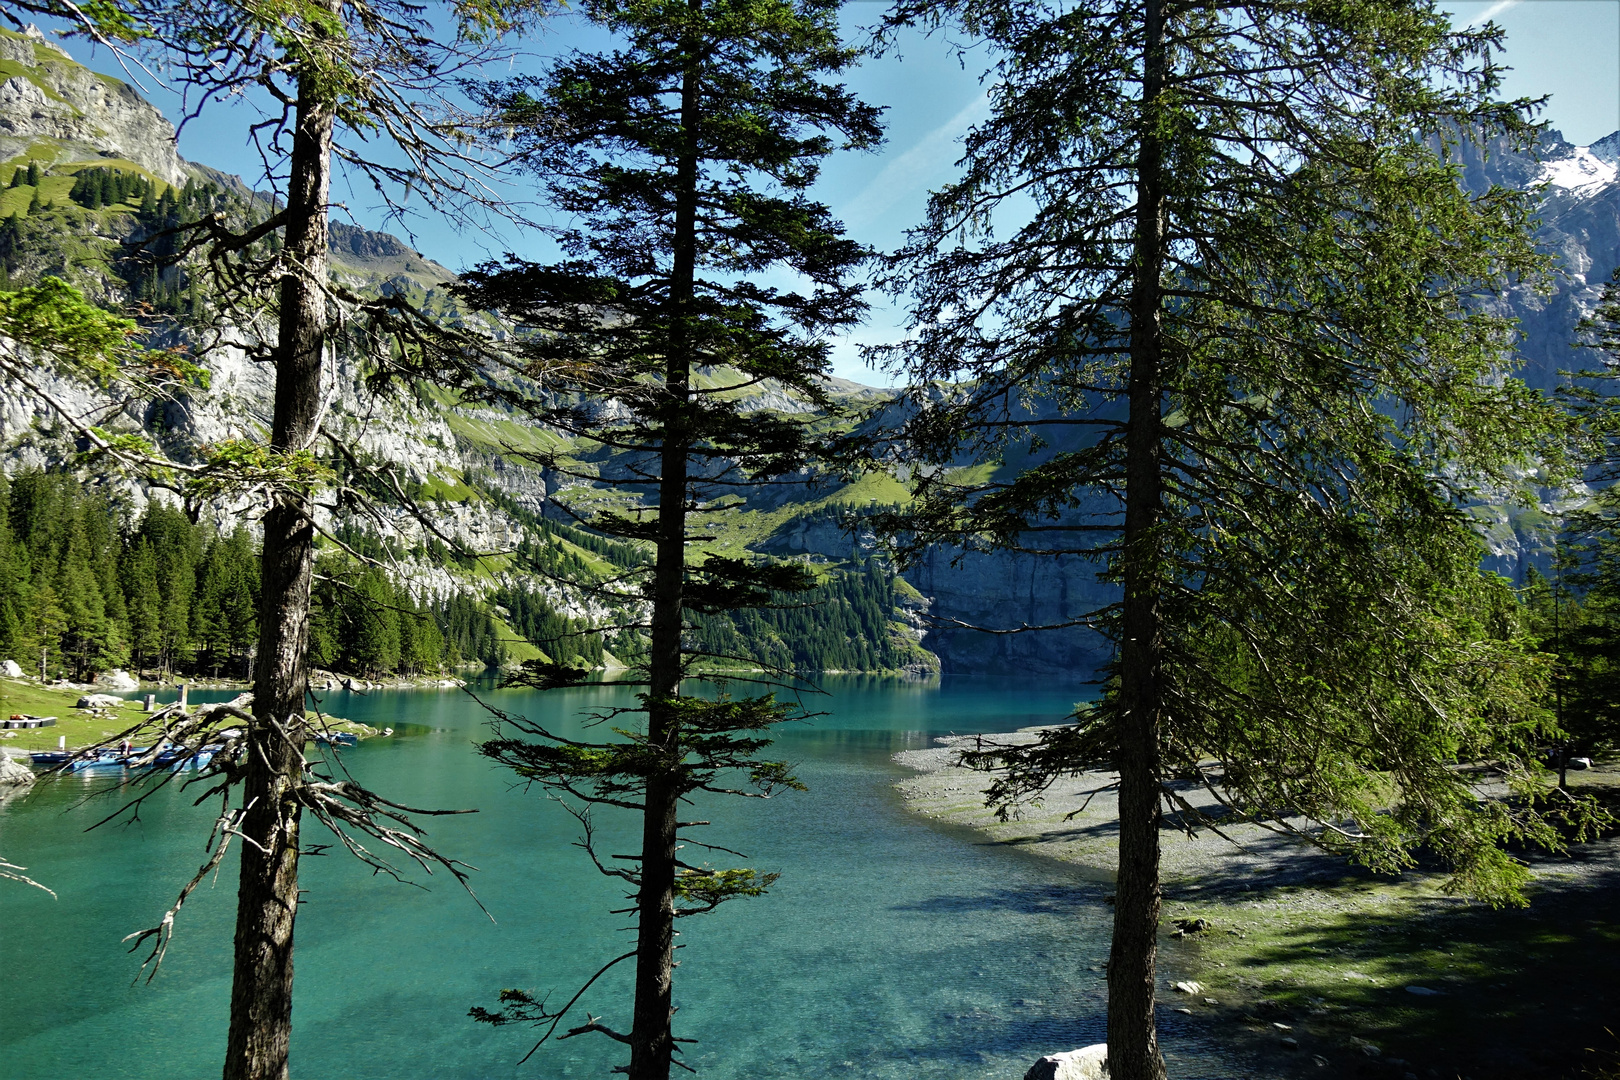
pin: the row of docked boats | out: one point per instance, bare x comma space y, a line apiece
177, 759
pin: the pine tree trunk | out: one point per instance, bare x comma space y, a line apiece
652, 1043
1133, 1041
651, 1040
267, 898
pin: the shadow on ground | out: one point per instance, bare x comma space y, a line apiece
1424, 986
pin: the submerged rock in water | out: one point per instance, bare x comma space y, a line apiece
1086, 1063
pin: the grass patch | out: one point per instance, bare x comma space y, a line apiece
736, 530
449, 490
52, 189
490, 433
873, 487
58, 184
1520, 992
80, 728
518, 648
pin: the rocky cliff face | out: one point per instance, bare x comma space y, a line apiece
1579, 226
1008, 591
47, 96
56, 112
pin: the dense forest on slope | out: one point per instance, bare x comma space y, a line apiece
164, 595
157, 593
842, 625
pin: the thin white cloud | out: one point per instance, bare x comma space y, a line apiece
914, 170
1492, 12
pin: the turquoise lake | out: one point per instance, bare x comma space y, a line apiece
891, 946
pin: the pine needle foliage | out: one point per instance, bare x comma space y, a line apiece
683, 157
1212, 266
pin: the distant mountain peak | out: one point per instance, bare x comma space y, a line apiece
1586, 169
1607, 149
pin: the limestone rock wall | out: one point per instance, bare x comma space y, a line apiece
91, 115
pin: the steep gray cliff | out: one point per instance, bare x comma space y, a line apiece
50, 104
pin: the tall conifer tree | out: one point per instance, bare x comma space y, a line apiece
1213, 265
684, 156
336, 73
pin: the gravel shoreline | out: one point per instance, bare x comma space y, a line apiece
1295, 932
1077, 821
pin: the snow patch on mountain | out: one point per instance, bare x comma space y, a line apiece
1583, 172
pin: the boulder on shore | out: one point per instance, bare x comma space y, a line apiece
14, 773
1086, 1063
117, 679
98, 701
10, 670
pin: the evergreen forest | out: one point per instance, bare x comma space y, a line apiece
87, 588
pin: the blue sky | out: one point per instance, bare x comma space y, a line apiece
1569, 49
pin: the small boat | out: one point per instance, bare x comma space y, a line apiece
100, 761
179, 758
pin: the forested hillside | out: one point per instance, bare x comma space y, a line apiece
86, 587
111, 571
83, 589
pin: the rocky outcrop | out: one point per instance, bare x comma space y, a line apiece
14, 774
1009, 591
118, 679
90, 116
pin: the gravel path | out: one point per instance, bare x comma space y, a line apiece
1078, 821
1524, 992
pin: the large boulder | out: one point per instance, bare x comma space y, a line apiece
14, 773
98, 701
118, 679
1086, 1063
10, 670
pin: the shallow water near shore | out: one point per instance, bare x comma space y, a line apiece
891, 947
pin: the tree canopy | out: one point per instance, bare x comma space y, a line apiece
1214, 268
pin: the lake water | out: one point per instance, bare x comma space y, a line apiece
891, 946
